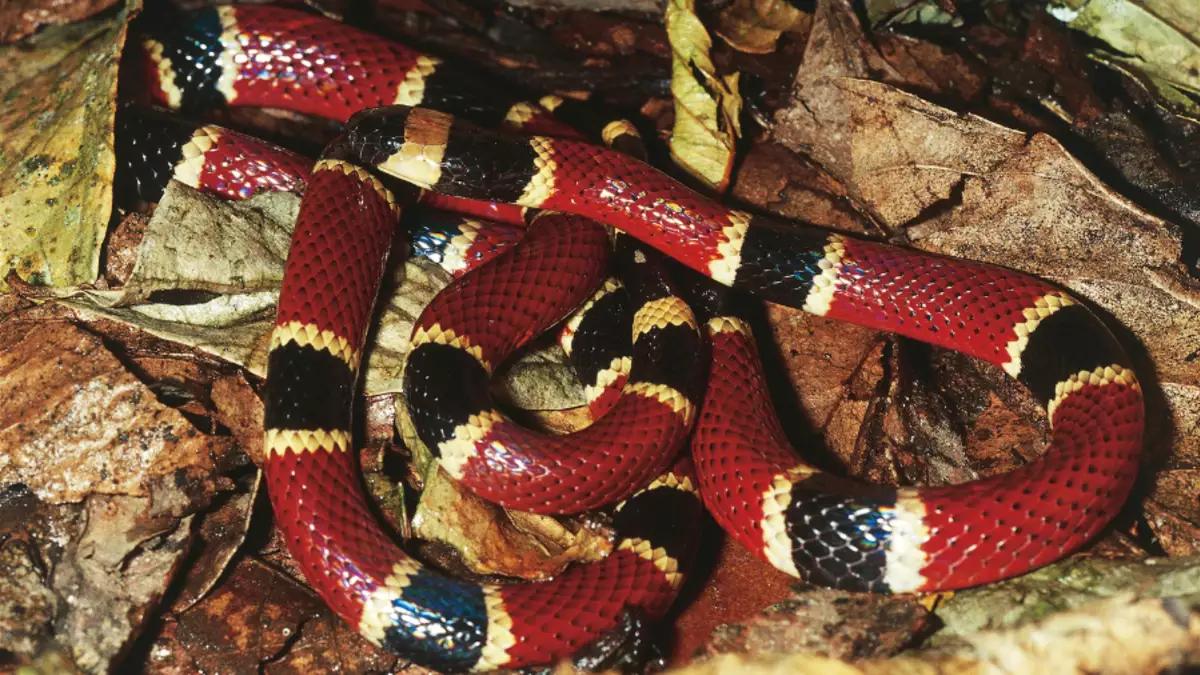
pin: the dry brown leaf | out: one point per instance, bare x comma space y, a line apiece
1173, 511
85, 577
827, 622
260, 619
240, 410
77, 423
20, 18
790, 185
219, 535
932, 68
969, 188
27, 603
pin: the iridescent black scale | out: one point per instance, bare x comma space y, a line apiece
371, 136
444, 386
439, 622
432, 232
454, 90
148, 148
291, 400
672, 355
505, 167
778, 263
839, 531
602, 335
192, 43
643, 518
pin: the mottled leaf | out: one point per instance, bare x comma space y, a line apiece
76, 422
56, 157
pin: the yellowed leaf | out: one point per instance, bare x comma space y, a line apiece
56, 156
754, 26
707, 106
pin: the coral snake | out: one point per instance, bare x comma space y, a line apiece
398, 106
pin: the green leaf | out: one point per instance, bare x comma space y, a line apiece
1158, 40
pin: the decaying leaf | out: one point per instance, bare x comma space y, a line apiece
56, 157
218, 537
93, 573
1116, 637
196, 242
23, 17
489, 542
259, 617
76, 422
1065, 586
1173, 511
1158, 38
707, 106
542, 379
827, 622
755, 26
240, 410
927, 12
970, 188
236, 251
27, 603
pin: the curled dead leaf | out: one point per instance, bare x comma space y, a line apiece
969, 188
489, 541
707, 106
755, 26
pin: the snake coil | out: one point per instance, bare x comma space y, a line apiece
789, 513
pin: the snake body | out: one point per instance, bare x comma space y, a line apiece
799, 519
